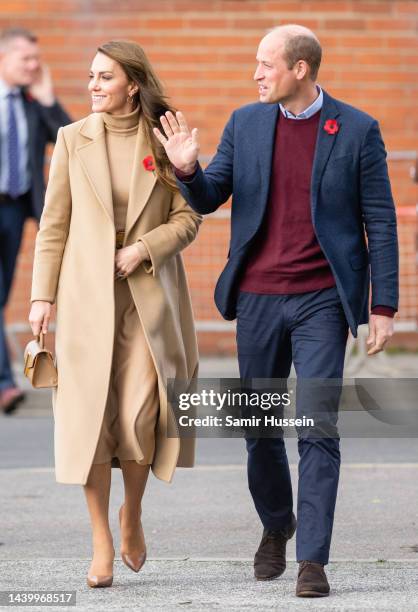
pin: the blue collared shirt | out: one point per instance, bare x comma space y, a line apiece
22, 133
308, 112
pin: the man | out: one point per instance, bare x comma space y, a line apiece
29, 118
308, 175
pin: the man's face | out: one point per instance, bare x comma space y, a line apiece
276, 82
20, 62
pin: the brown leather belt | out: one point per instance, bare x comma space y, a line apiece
120, 237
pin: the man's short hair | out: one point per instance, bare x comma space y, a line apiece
303, 47
10, 34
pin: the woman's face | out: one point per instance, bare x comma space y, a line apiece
109, 86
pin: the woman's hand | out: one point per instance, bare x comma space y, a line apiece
39, 317
129, 258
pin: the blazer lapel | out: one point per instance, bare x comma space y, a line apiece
93, 158
266, 135
142, 181
324, 144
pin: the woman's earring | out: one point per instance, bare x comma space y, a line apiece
130, 98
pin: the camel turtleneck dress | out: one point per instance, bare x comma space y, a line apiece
132, 406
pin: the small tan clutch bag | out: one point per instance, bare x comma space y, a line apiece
39, 364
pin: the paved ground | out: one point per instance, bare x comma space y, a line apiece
223, 585
202, 530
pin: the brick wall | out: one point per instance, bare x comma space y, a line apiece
204, 51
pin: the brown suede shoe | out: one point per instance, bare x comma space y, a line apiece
270, 558
312, 580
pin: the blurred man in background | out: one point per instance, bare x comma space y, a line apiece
30, 117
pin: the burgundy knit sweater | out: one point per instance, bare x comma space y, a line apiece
286, 256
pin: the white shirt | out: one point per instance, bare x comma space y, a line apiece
308, 112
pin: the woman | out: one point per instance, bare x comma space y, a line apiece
108, 253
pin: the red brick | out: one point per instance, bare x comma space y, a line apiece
345, 24
407, 7
205, 53
13, 8
405, 42
325, 6
376, 40
391, 24
376, 7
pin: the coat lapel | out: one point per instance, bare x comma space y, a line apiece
142, 181
266, 135
93, 158
324, 144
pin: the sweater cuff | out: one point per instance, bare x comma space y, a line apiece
183, 176
386, 311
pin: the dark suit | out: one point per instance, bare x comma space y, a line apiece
350, 195
43, 124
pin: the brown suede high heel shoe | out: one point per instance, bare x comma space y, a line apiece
133, 562
99, 581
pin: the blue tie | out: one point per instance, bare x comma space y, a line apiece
12, 148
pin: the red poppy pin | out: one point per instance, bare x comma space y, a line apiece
149, 163
331, 126
29, 97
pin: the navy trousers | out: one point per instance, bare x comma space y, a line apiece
12, 218
311, 330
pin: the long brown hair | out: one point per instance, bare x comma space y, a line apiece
150, 98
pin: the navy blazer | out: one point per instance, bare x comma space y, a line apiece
43, 125
350, 197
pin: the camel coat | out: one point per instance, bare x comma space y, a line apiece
74, 267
